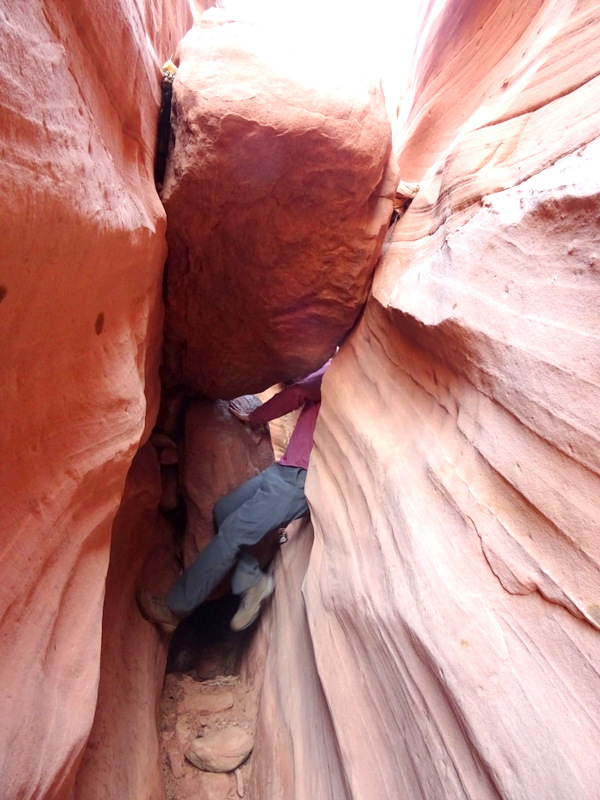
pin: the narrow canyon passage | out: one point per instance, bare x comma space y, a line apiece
292, 176
434, 633
210, 699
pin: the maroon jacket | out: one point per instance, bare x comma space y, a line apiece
306, 393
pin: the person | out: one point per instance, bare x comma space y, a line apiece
270, 500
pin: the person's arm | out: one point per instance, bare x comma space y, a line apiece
289, 399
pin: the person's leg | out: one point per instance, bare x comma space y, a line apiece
216, 559
248, 572
278, 499
231, 501
248, 580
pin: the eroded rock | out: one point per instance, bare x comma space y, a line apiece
204, 703
278, 193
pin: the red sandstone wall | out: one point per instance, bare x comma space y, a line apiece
453, 590
82, 241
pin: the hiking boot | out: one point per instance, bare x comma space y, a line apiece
155, 609
252, 600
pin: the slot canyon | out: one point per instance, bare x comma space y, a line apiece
416, 182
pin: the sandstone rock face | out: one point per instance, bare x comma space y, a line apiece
453, 588
278, 194
82, 240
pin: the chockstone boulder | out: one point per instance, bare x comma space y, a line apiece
278, 193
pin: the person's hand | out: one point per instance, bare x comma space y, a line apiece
238, 412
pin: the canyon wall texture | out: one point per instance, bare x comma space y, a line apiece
452, 593
83, 244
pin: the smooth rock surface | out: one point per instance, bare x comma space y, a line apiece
82, 249
296, 745
453, 588
278, 193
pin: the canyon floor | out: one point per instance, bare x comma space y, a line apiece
203, 696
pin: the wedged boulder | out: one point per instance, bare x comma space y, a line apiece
278, 195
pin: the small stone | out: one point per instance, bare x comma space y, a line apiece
221, 751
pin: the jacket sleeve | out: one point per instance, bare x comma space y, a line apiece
290, 398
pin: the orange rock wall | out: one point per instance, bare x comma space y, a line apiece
452, 593
82, 241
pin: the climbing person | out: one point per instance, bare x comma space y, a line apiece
270, 500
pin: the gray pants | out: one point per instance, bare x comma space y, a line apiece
271, 499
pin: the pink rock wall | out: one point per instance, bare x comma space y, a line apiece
452, 591
82, 240
302, 758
